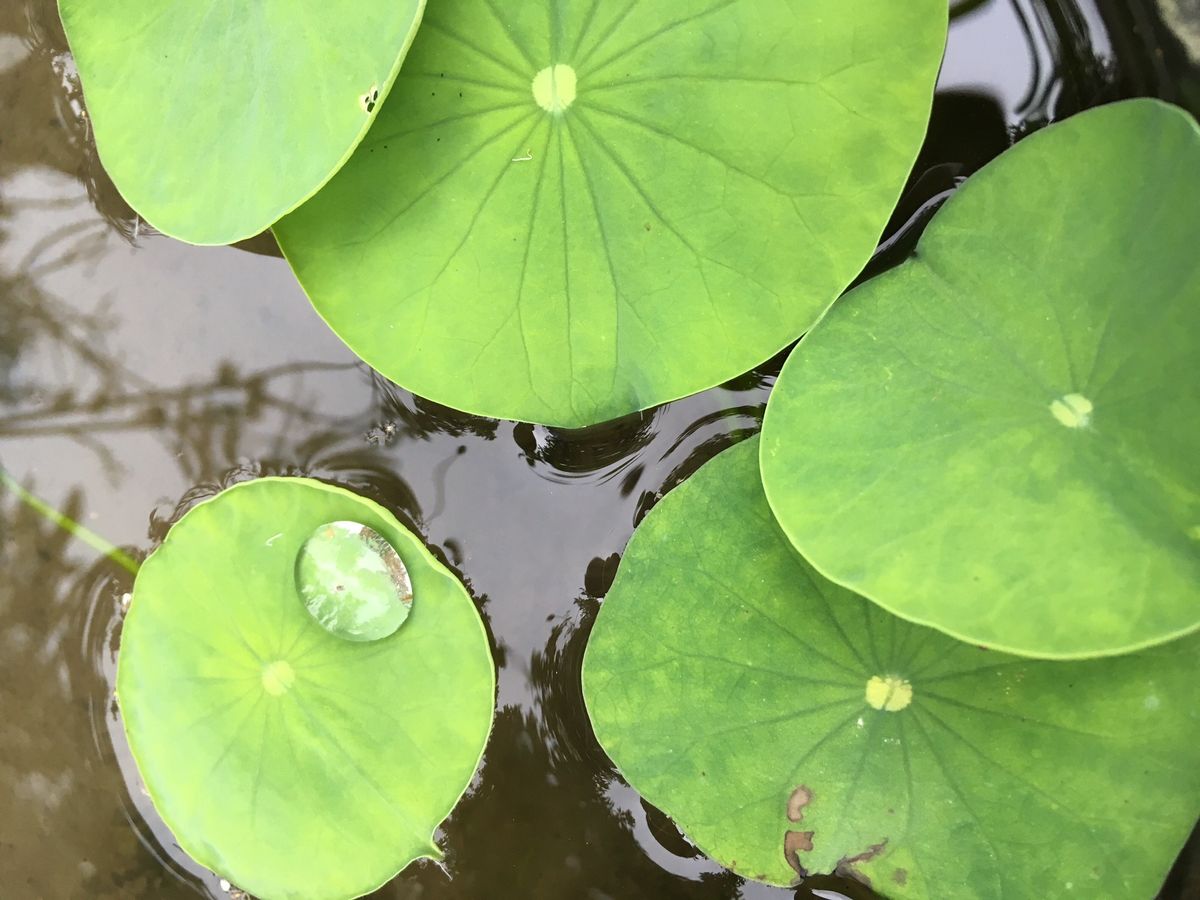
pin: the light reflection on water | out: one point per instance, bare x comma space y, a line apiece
139, 375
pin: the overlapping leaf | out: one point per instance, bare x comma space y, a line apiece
573, 210
216, 118
999, 438
787, 724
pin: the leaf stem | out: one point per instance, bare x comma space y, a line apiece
69, 525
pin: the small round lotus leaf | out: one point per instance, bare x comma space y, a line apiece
295, 763
999, 438
353, 582
787, 724
215, 118
571, 210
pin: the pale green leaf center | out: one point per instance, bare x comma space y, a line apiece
277, 677
1073, 410
554, 88
891, 694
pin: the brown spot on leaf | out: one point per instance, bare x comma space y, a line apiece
795, 843
900, 876
845, 866
800, 798
870, 853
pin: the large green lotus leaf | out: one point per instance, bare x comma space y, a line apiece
786, 724
571, 210
293, 762
215, 118
1000, 437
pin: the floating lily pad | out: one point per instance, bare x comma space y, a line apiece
570, 211
787, 724
999, 438
216, 118
293, 762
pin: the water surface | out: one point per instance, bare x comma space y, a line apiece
139, 375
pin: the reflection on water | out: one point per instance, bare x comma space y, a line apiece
139, 376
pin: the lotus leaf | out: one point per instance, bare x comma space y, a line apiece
295, 763
999, 438
571, 210
789, 725
216, 118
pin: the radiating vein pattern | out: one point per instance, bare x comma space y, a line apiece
998, 438
701, 179
790, 726
287, 759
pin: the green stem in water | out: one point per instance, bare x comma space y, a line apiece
73, 528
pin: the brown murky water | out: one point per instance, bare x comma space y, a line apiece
138, 375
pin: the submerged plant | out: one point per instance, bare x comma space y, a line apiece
998, 438
570, 211
69, 525
292, 761
790, 726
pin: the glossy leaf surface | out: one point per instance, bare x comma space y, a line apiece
786, 723
216, 118
999, 437
573, 210
293, 762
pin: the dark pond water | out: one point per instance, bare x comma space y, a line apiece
138, 375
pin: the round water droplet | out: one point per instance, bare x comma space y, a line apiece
353, 582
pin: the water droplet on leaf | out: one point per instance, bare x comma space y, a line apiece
353, 582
